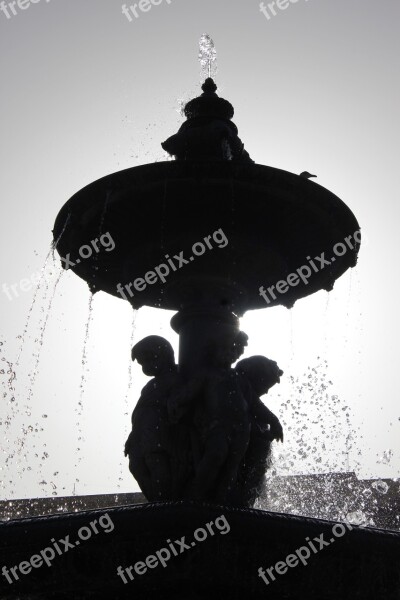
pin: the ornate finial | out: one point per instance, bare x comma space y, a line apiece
207, 56
208, 133
209, 86
209, 104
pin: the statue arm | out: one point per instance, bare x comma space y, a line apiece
264, 417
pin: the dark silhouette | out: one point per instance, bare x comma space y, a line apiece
208, 133
207, 437
199, 429
261, 374
154, 445
222, 424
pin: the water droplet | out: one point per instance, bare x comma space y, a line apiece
380, 486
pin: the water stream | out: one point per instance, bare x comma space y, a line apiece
207, 57
123, 462
79, 406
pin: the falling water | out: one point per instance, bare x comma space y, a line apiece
30, 312
122, 466
79, 408
57, 241
348, 316
321, 435
132, 338
100, 233
325, 329
356, 320
20, 417
16, 430
50, 254
7, 370
43, 326
27, 427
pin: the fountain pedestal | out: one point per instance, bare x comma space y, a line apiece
201, 332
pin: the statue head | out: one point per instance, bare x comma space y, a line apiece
261, 372
155, 355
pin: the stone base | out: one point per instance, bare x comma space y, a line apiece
358, 563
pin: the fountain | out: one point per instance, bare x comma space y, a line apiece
209, 235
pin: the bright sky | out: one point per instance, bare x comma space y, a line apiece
87, 92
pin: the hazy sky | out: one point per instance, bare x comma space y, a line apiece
87, 92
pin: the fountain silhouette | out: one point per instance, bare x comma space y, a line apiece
209, 235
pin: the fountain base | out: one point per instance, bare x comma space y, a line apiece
361, 563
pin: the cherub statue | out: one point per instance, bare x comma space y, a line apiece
261, 375
207, 437
155, 447
215, 400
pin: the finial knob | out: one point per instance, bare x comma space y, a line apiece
209, 86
